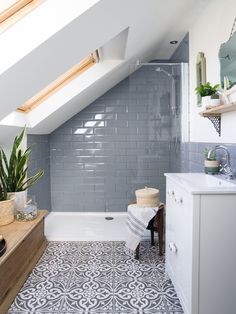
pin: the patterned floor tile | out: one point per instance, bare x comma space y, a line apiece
97, 278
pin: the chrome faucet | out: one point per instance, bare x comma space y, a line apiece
225, 168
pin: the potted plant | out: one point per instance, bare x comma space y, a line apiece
6, 207
208, 94
211, 164
13, 172
214, 101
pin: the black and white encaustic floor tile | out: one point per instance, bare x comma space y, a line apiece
97, 278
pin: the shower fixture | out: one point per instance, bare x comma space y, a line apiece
158, 69
173, 91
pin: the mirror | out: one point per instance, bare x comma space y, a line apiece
200, 73
227, 57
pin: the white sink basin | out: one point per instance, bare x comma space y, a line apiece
218, 181
204, 183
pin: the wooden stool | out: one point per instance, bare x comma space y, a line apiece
155, 224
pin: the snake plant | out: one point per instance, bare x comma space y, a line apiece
13, 172
3, 194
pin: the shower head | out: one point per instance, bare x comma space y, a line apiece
158, 69
137, 63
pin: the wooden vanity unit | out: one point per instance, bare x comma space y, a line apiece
26, 243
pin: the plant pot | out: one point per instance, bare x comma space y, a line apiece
211, 166
6, 212
206, 100
214, 102
19, 199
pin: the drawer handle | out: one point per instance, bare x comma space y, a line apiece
179, 200
171, 192
173, 247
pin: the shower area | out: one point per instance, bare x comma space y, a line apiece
157, 90
125, 140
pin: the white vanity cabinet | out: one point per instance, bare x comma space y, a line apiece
201, 242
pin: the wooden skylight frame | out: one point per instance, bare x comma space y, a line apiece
64, 79
16, 11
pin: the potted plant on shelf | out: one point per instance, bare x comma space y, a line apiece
209, 94
13, 172
6, 207
211, 164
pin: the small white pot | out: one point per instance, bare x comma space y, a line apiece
214, 102
20, 199
206, 100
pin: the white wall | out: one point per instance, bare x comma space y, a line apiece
212, 28
7, 136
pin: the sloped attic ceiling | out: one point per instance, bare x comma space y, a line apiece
47, 50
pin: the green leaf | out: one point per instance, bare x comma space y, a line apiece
4, 159
19, 138
13, 173
206, 89
3, 174
31, 180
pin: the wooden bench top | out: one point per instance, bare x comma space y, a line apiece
17, 231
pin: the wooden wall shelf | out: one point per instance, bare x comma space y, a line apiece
216, 111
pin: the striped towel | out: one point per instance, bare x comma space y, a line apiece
137, 222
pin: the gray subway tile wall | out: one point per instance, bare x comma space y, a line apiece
40, 159
116, 145
192, 157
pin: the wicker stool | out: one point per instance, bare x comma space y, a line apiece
155, 224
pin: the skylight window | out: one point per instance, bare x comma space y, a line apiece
64, 79
9, 7
12, 11
6, 4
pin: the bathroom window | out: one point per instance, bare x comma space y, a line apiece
64, 79
10, 7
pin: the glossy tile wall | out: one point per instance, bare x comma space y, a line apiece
40, 158
192, 157
119, 143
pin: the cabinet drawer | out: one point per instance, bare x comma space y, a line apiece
15, 269
179, 228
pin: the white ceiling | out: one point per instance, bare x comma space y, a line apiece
148, 26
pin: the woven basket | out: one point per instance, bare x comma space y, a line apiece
147, 197
6, 212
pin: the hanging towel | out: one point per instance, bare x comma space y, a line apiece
137, 222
